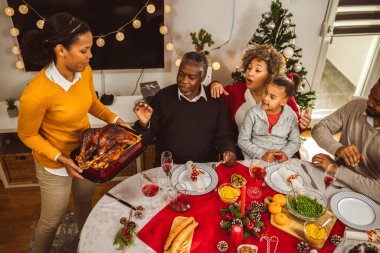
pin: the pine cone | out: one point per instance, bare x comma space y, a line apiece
139, 215
237, 221
303, 247
222, 246
140, 208
263, 207
336, 239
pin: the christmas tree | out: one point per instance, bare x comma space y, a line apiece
276, 28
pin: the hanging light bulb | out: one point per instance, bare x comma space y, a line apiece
14, 32
178, 62
119, 36
136, 24
169, 46
9, 11
100, 42
150, 8
167, 8
163, 29
215, 65
20, 64
40, 24
16, 50
23, 9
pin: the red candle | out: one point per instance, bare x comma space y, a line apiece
236, 235
243, 193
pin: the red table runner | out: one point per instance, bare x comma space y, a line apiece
206, 211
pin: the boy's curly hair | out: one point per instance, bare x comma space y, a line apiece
274, 59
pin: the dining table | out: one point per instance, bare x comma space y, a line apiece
103, 222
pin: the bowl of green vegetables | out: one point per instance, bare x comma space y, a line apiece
306, 204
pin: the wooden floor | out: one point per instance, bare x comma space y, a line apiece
19, 211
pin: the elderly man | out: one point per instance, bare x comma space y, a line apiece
185, 120
359, 145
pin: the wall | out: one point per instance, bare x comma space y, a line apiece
349, 54
187, 16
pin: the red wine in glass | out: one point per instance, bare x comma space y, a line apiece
150, 190
167, 167
329, 180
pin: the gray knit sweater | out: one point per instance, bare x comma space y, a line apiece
255, 140
365, 177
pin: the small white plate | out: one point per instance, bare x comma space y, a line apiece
356, 210
209, 179
277, 183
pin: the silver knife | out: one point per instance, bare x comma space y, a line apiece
311, 178
121, 201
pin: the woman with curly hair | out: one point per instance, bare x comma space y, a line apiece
260, 64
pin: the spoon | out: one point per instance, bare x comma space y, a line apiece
327, 221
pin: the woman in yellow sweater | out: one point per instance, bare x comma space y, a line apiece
53, 117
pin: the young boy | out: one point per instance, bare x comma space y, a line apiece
270, 129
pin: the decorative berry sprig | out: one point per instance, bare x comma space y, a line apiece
125, 236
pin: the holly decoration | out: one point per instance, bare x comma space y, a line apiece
125, 236
277, 29
251, 222
303, 247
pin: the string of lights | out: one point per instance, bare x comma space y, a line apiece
119, 34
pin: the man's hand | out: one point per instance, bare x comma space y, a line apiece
228, 158
280, 156
323, 161
350, 155
72, 169
269, 156
305, 119
217, 89
144, 113
122, 123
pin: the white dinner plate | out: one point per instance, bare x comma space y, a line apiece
356, 210
209, 179
277, 183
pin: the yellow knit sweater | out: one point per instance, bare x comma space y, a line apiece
52, 121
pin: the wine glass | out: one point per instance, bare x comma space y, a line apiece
149, 186
167, 164
329, 178
258, 172
179, 199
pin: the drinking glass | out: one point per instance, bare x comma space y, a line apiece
179, 200
167, 164
258, 172
149, 187
329, 178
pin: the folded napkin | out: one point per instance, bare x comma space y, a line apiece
291, 178
369, 235
180, 235
191, 168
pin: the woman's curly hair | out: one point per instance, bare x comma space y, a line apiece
274, 59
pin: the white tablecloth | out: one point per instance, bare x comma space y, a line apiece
103, 222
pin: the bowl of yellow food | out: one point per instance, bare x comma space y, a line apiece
228, 193
314, 233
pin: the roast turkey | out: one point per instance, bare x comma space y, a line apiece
102, 146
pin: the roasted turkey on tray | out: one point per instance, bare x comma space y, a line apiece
102, 146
